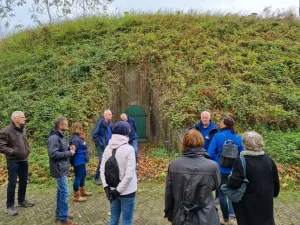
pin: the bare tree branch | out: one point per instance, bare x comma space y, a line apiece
55, 9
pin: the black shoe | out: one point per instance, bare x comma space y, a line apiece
11, 210
25, 203
97, 181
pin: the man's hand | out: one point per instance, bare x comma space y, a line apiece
72, 149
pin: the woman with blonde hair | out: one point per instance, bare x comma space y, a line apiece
257, 204
190, 181
80, 158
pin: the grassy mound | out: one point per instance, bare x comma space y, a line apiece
246, 67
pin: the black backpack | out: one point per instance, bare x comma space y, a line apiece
111, 171
229, 153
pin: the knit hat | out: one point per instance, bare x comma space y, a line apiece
121, 128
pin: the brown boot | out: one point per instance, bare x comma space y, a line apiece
69, 222
78, 198
83, 192
69, 217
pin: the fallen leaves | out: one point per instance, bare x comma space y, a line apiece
152, 168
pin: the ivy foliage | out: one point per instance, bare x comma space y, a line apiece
246, 67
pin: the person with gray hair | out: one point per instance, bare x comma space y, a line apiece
207, 128
133, 138
257, 203
101, 135
15, 147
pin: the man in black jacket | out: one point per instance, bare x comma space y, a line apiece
15, 147
59, 157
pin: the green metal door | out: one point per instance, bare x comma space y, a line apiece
138, 114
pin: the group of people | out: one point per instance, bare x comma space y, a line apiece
193, 177
103, 133
62, 154
190, 182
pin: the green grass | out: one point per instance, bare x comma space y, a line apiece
283, 147
289, 196
163, 153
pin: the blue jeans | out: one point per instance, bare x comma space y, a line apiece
135, 146
80, 175
226, 206
122, 205
99, 153
16, 169
62, 199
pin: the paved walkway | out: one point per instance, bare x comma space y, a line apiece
149, 207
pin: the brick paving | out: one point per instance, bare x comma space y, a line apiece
148, 210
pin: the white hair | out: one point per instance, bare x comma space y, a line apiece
15, 114
205, 112
106, 111
123, 115
253, 141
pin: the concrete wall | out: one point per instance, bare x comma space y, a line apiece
132, 88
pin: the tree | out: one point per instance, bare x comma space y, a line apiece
55, 9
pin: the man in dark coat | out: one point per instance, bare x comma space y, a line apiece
101, 135
59, 158
15, 147
133, 138
257, 206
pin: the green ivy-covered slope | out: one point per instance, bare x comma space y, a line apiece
246, 67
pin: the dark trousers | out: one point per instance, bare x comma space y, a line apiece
16, 169
100, 154
225, 203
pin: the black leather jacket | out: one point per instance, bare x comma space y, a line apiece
190, 182
59, 154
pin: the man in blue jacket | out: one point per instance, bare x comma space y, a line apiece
101, 135
133, 138
207, 128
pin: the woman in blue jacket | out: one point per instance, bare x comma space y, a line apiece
227, 132
80, 158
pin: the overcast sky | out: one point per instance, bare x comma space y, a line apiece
228, 5
242, 6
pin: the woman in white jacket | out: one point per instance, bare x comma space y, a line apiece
122, 198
